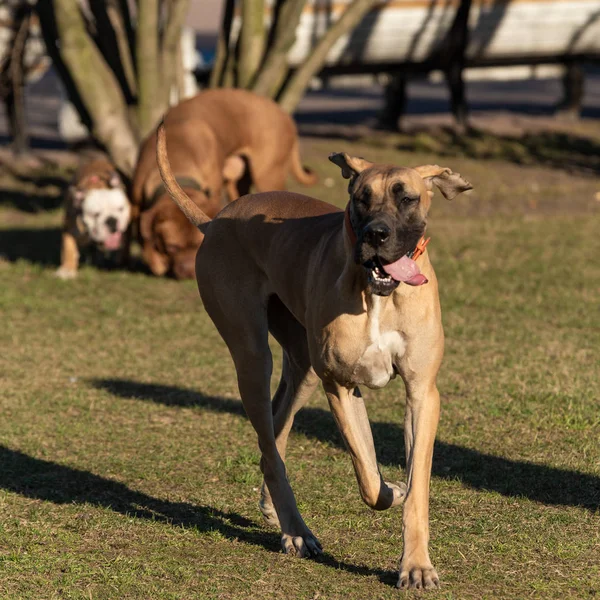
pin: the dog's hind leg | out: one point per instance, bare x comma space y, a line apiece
295, 388
245, 331
298, 382
269, 177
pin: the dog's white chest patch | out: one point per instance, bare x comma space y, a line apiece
376, 365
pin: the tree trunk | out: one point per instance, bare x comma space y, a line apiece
171, 47
13, 81
252, 41
151, 96
47, 15
96, 85
275, 66
295, 88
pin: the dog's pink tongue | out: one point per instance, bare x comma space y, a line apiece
407, 270
113, 241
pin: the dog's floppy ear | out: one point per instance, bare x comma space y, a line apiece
114, 180
351, 165
77, 196
449, 183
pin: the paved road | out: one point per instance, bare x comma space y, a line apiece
353, 106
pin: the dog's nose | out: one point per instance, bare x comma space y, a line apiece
377, 234
111, 224
185, 267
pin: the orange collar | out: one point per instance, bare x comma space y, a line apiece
414, 254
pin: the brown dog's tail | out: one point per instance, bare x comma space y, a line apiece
301, 173
187, 206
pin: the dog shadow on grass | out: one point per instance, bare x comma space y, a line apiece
52, 482
480, 471
61, 484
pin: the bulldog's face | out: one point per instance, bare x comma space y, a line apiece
388, 214
105, 213
169, 240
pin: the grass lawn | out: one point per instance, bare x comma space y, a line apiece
128, 468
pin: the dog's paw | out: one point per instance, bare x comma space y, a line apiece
65, 273
302, 546
399, 492
418, 578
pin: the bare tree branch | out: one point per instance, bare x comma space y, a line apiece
106, 38
252, 41
128, 23
275, 66
299, 81
46, 12
170, 49
149, 78
222, 54
116, 17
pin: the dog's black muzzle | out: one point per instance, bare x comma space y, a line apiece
382, 241
386, 240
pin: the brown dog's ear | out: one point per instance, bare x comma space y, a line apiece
351, 165
449, 183
77, 196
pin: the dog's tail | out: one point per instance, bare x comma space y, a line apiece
301, 173
185, 203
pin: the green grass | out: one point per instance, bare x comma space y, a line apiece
128, 468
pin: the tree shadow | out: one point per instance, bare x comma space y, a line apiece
40, 179
38, 246
42, 247
28, 202
52, 482
556, 149
39, 184
477, 470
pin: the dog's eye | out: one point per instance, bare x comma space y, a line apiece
96, 215
409, 199
364, 196
401, 196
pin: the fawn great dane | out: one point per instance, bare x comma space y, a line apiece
351, 304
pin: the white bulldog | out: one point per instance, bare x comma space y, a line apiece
97, 217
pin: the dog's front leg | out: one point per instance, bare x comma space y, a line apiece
420, 425
350, 414
69, 257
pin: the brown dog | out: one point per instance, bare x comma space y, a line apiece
350, 306
97, 217
208, 136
